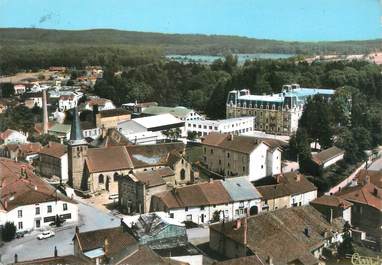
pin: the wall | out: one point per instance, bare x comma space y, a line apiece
258, 163
225, 246
333, 161
303, 198
29, 214
346, 181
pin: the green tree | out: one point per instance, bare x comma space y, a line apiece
8, 231
6, 90
346, 247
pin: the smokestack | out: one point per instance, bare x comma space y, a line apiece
45, 112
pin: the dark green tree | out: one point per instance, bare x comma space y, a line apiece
346, 247
8, 231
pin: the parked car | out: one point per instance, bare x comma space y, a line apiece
45, 234
20, 234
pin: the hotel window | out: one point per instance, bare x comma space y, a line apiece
20, 225
241, 204
205, 150
227, 155
186, 209
49, 208
65, 206
20, 213
220, 162
236, 212
243, 169
212, 151
37, 210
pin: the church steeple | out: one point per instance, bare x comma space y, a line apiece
76, 137
77, 153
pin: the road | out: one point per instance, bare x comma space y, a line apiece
29, 247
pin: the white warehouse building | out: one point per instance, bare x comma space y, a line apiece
238, 126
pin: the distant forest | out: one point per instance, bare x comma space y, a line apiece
37, 48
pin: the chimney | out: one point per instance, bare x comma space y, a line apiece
55, 252
306, 232
45, 112
77, 230
237, 224
331, 216
269, 260
106, 246
230, 137
16, 259
298, 177
95, 113
210, 180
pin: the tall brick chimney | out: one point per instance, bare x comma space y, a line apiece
45, 112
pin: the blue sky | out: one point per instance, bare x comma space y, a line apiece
302, 20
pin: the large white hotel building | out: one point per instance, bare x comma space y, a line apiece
275, 113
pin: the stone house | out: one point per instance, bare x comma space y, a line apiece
53, 161
231, 155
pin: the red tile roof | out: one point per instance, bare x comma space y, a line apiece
23, 188
108, 159
54, 149
368, 194
332, 201
207, 193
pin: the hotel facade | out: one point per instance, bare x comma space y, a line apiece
274, 113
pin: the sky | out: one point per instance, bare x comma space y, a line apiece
300, 20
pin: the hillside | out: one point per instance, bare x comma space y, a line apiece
176, 43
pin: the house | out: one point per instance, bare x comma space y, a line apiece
54, 161
235, 126
101, 103
26, 152
104, 246
157, 230
10, 136
61, 131
68, 100
209, 202
333, 207
28, 201
32, 99
285, 236
287, 190
328, 157
372, 176
230, 155
135, 189
110, 118
90, 130
366, 212
19, 89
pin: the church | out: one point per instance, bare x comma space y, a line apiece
98, 169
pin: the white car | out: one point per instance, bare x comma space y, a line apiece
45, 234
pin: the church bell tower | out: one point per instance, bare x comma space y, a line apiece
77, 152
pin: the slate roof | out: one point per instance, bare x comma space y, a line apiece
60, 128
54, 149
152, 155
240, 189
19, 188
281, 234
327, 154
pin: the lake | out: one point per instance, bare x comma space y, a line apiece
242, 57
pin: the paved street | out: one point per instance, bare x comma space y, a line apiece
30, 248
